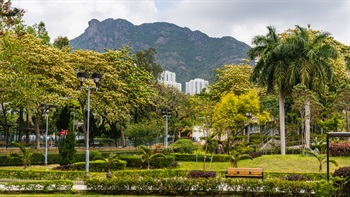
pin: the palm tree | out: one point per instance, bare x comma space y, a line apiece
270, 70
147, 155
310, 64
321, 159
26, 154
109, 160
235, 157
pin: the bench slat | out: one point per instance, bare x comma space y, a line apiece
245, 172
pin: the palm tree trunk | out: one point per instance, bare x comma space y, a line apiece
282, 123
307, 124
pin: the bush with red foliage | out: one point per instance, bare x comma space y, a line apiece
201, 174
342, 184
339, 149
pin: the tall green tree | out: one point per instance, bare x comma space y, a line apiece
342, 101
301, 97
146, 60
66, 148
271, 70
231, 78
61, 42
231, 113
39, 30
311, 64
10, 16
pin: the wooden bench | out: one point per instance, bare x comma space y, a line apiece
245, 173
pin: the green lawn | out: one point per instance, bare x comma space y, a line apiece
273, 163
270, 163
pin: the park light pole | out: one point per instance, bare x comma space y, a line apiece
96, 77
166, 114
46, 110
249, 116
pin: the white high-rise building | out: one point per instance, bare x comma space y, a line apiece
169, 78
196, 86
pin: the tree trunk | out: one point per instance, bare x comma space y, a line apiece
307, 124
347, 121
4, 124
282, 123
122, 132
37, 131
228, 142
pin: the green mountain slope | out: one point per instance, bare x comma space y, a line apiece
190, 54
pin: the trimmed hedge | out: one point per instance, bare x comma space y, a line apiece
38, 159
212, 186
42, 175
100, 166
53, 186
157, 173
134, 161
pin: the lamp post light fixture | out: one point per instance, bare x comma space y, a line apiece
166, 114
96, 77
46, 110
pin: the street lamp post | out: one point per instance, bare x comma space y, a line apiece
166, 114
96, 77
46, 111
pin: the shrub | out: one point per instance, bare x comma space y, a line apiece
100, 166
64, 167
183, 146
295, 177
134, 161
256, 154
343, 172
67, 148
342, 183
339, 149
201, 174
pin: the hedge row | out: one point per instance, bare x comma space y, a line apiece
164, 173
37, 159
134, 174
100, 166
218, 186
134, 161
42, 175
62, 186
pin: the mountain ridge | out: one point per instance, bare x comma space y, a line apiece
190, 54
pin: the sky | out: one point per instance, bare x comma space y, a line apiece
241, 19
